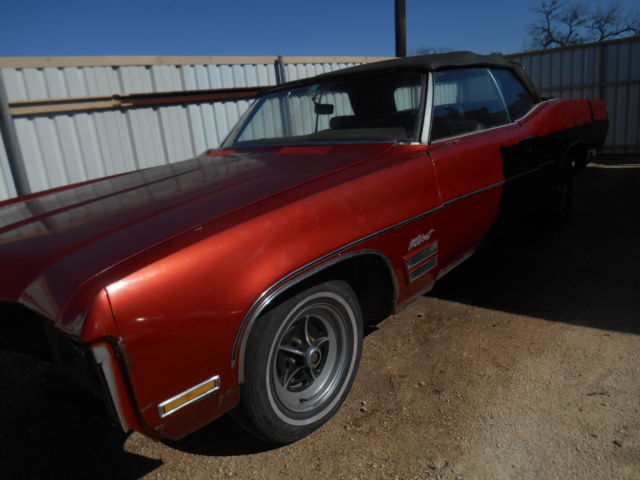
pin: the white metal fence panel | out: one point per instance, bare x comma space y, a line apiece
73, 148
298, 71
609, 71
64, 82
67, 148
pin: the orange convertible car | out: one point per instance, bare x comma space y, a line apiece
240, 280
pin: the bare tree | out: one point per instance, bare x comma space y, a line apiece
573, 17
560, 24
613, 21
544, 34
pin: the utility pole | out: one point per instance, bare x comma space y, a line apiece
401, 28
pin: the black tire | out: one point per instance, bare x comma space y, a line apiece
561, 197
301, 361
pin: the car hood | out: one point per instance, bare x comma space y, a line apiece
53, 242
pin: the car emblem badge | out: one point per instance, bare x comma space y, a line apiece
420, 239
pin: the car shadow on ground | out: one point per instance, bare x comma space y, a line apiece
221, 438
585, 273
52, 428
224, 437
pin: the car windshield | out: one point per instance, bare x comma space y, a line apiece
383, 106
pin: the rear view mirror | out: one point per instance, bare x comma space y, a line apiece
323, 109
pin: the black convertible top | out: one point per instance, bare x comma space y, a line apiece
432, 63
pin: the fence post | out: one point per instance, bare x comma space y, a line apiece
281, 74
11, 145
600, 66
285, 114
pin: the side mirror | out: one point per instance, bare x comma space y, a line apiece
323, 109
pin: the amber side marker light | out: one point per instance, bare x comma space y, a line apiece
192, 395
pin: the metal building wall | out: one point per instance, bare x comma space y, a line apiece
7, 189
67, 148
609, 71
299, 70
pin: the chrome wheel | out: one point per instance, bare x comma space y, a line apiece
309, 358
302, 357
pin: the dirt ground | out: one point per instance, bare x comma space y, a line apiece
524, 363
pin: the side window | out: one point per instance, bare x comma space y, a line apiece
518, 99
465, 101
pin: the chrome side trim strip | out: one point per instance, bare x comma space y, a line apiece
490, 187
476, 192
473, 132
215, 379
547, 163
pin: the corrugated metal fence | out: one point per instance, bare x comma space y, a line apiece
68, 147
63, 147
608, 70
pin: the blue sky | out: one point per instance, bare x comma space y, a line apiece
253, 27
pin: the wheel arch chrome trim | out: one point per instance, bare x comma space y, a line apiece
292, 279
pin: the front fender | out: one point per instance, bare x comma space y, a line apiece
179, 316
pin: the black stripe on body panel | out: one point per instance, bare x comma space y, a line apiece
533, 152
531, 165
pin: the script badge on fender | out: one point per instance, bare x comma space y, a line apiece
418, 240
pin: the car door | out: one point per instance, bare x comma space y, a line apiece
470, 129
